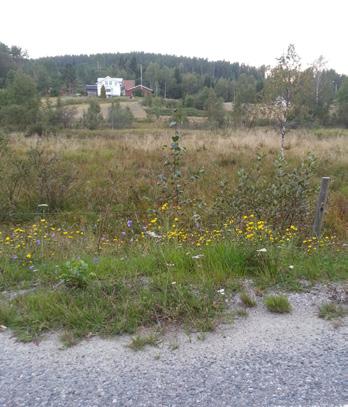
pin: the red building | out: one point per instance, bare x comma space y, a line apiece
128, 84
136, 90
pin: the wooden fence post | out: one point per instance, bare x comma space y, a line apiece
322, 200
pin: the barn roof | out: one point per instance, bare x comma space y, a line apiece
141, 87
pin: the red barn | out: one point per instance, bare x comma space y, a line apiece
139, 89
128, 84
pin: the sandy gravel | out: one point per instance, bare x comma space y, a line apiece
263, 360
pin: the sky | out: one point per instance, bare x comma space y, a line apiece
254, 32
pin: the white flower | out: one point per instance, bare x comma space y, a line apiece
153, 234
263, 250
221, 291
173, 282
291, 267
170, 264
198, 256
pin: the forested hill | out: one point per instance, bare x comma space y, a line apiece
165, 73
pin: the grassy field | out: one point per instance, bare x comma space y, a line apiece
143, 229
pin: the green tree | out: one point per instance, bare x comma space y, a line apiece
282, 89
153, 76
103, 92
246, 89
19, 102
93, 118
215, 109
69, 77
226, 89
118, 117
342, 101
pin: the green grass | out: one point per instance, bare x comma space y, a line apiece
152, 285
247, 300
331, 311
139, 342
278, 304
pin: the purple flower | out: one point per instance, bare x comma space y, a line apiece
129, 223
38, 242
31, 268
14, 257
123, 234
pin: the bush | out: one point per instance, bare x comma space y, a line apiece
284, 197
118, 117
93, 118
189, 101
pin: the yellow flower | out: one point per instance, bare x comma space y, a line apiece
29, 256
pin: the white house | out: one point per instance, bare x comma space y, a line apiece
113, 86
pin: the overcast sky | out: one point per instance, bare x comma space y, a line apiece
250, 31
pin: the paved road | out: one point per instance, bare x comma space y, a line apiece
264, 360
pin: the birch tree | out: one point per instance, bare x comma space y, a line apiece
282, 87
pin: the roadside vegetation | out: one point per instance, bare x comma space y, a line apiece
111, 222
278, 304
331, 311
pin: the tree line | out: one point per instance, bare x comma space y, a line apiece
312, 95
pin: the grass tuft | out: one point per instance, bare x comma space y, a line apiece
139, 342
331, 311
278, 304
247, 300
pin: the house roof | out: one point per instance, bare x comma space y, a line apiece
110, 79
141, 87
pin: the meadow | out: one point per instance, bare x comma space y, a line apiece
107, 231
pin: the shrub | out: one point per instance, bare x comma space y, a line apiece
284, 197
92, 119
278, 304
118, 117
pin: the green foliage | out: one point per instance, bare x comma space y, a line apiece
76, 274
92, 119
215, 110
103, 92
172, 187
118, 117
137, 288
37, 176
246, 89
19, 102
139, 342
247, 300
342, 100
331, 311
278, 304
284, 197
189, 101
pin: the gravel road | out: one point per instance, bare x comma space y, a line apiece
263, 360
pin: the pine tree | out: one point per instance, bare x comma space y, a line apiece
103, 92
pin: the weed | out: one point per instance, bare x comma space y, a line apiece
278, 304
139, 342
247, 300
331, 311
76, 274
241, 313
